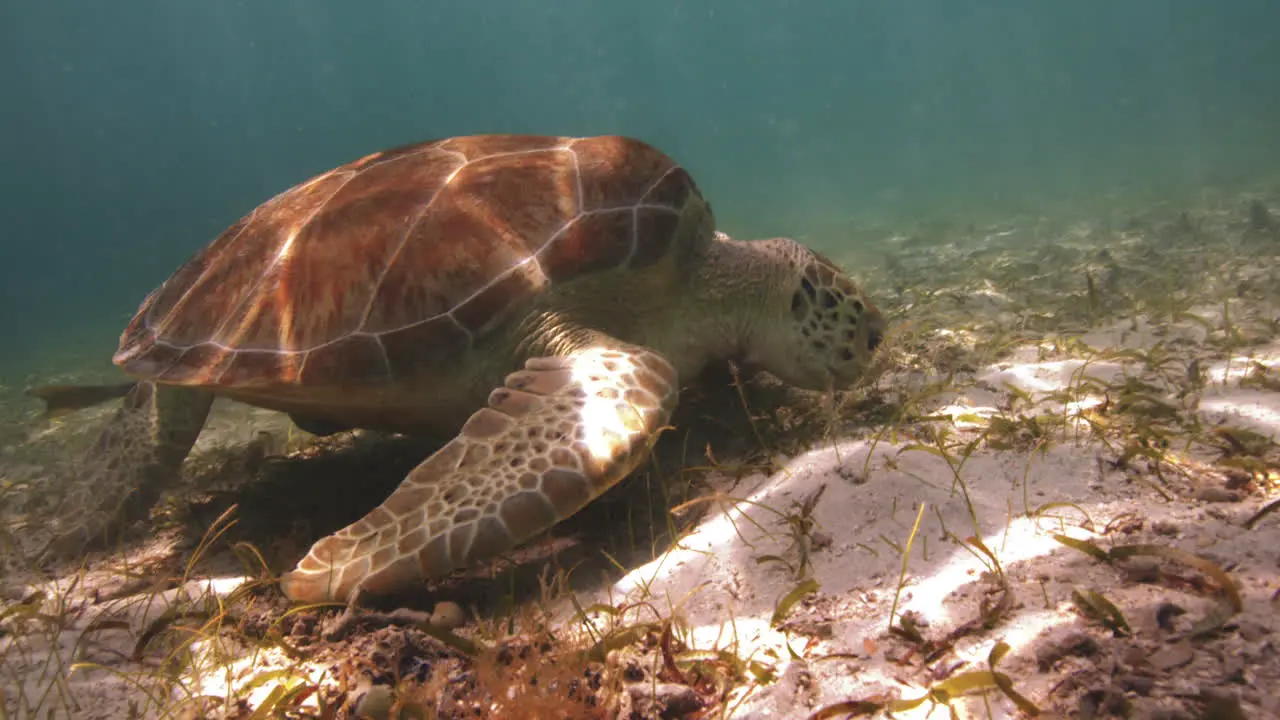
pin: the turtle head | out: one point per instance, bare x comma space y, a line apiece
820, 330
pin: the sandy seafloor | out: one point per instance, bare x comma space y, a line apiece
1109, 376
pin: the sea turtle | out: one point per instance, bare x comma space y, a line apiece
541, 297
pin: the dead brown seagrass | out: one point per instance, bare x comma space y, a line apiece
542, 297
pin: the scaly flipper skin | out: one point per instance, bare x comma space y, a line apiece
560, 433
140, 450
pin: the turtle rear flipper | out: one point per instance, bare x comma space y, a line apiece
119, 479
560, 433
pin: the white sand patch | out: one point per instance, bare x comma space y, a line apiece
715, 581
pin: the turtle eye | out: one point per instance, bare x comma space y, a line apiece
809, 289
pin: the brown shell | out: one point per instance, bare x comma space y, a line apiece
367, 272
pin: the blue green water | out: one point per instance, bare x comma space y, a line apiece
133, 132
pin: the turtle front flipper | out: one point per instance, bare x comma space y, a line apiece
560, 433
119, 479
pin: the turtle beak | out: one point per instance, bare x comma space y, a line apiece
875, 324
874, 338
